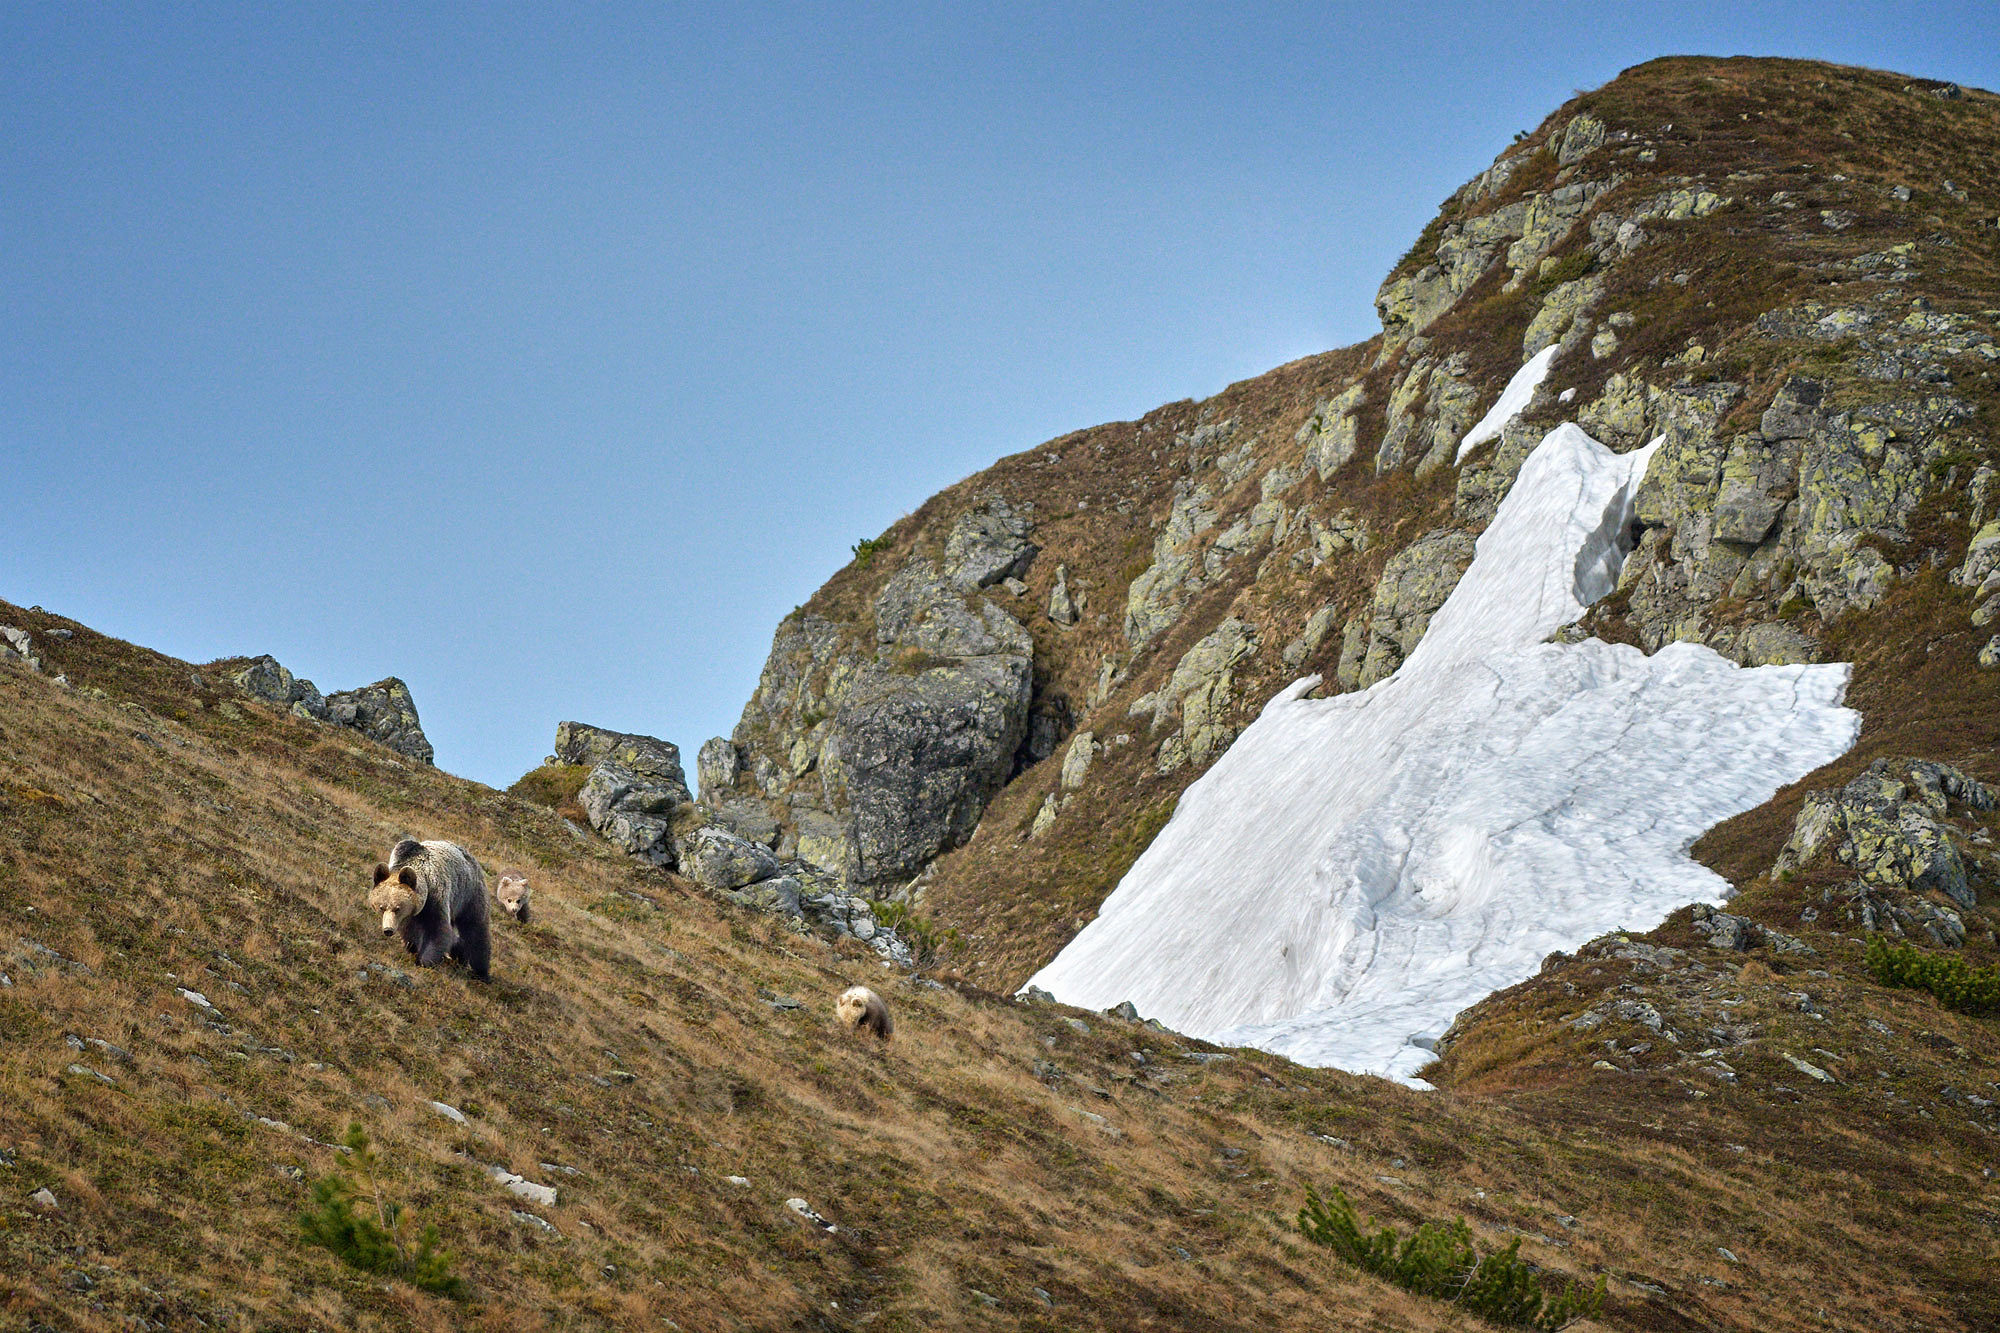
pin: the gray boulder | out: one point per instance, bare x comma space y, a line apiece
717, 859
987, 545
1062, 605
915, 758
1886, 824
383, 712
16, 646
634, 791
267, 679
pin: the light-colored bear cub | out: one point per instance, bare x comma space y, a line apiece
860, 1007
512, 892
432, 894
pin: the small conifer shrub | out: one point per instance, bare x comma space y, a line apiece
351, 1217
1439, 1261
1956, 983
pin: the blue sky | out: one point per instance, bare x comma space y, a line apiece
545, 356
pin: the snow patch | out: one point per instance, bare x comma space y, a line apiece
1354, 871
1519, 392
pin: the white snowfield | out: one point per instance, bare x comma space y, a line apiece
1354, 871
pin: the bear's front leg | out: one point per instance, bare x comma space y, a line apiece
436, 947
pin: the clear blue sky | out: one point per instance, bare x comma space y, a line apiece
546, 355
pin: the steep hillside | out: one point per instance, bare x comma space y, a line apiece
195, 1004
1786, 269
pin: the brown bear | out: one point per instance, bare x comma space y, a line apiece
434, 896
512, 891
860, 1007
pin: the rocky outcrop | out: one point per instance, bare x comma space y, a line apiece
16, 646
988, 545
1202, 692
1414, 584
1892, 826
634, 791
267, 679
383, 712
867, 758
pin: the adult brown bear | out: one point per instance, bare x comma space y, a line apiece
432, 894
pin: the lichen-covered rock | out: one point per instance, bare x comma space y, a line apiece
1559, 310
1076, 760
1886, 825
987, 545
1414, 584
1583, 136
267, 679
717, 859
655, 762
717, 765
383, 712
1062, 604
1203, 688
1154, 600
1430, 410
1330, 433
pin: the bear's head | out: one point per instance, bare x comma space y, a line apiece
397, 896
852, 1006
512, 891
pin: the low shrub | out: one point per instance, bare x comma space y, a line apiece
1439, 1261
865, 549
1956, 983
351, 1217
928, 944
553, 785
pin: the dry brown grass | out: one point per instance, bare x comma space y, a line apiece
228, 855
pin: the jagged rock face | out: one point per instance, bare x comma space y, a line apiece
634, 789
383, 712
869, 759
1891, 826
1413, 586
267, 679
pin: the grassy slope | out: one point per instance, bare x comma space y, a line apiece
227, 852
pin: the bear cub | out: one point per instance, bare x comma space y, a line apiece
433, 895
860, 1007
512, 891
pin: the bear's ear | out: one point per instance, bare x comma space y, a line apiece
407, 876
381, 872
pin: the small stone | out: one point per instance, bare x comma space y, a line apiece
805, 1210
85, 1071
530, 1220
44, 1200
1989, 656
741, 1182
1078, 1026
194, 997
1044, 1297
451, 1113
1124, 1009
1726, 1254
1811, 1071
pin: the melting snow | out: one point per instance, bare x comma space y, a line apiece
1513, 398
1354, 871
